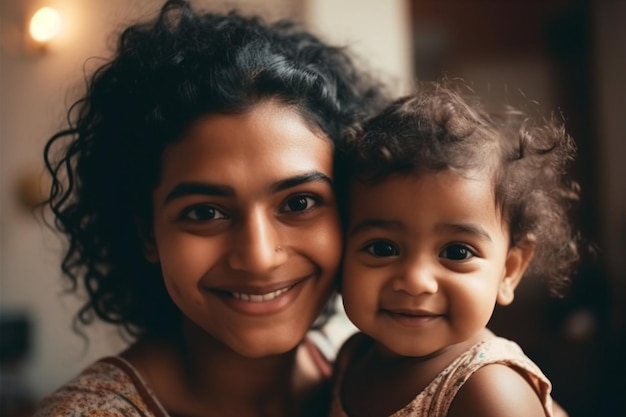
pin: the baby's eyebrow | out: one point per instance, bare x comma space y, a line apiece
470, 228
376, 224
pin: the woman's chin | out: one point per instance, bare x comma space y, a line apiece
266, 345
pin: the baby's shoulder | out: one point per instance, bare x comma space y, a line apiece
499, 379
497, 390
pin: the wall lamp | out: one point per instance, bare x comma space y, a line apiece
45, 25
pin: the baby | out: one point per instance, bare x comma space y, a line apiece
449, 207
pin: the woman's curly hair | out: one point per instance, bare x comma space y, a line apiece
445, 127
163, 75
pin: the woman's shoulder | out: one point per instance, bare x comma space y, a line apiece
110, 387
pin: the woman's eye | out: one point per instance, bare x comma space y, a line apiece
457, 253
299, 203
382, 249
202, 213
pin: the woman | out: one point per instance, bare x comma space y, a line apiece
195, 187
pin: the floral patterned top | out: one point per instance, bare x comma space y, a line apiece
112, 387
435, 399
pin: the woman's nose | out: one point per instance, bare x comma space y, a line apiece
255, 245
415, 278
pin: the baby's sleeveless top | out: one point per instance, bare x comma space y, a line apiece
435, 399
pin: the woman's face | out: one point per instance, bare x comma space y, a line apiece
246, 227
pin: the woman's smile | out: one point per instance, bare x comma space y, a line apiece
259, 298
260, 301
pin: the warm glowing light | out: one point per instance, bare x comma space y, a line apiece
45, 24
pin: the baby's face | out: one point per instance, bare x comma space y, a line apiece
426, 259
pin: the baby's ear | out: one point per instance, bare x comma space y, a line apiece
146, 236
517, 260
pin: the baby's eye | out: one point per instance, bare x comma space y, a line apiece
457, 252
299, 203
202, 213
382, 249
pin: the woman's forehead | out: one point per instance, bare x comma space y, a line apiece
266, 143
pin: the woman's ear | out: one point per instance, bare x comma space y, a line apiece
150, 251
146, 236
517, 261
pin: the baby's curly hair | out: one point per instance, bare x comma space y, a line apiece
445, 127
163, 75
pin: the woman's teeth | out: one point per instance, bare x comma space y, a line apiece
259, 298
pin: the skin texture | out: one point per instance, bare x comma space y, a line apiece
494, 391
427, 258
245, 205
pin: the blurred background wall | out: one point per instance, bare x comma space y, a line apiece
567, 55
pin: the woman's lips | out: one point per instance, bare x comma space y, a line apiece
258, 293
259, 298
262, 300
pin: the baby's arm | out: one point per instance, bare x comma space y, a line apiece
497, 391
346, 352
558, 410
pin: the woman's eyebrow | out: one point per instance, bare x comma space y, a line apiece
312, 176
208, 189
195, 188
